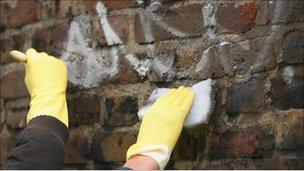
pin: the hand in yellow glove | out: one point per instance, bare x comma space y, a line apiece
162, 125
46, 81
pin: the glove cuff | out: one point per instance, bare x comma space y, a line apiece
160, 153
54, 106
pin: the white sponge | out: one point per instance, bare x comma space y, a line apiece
201, 108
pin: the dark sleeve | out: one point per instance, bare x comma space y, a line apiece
39, 146
125, 168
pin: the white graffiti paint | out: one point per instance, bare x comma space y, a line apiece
110, 35
141, 66
163, 64
279, 5
265, 50
147, 28
224, 43
140, 2
208, 14
158, 20
158, 65
12, 3
203, 61
288, 74
86, 66
245, 45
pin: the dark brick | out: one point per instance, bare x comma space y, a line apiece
2, 113
283, 162
245, 97
19, 13
84, 109
138, 30
211, 67
236, 19
50, 39
245, 56
253, 141
187, 147
287, 88
114, 147
157, 32
293, 47
120, 110
14, 42
120, 24
65, 9
12, 84
262, 17
110, 4
289, 11
77, 148
167, 58
293, 131
188, 19
126, 74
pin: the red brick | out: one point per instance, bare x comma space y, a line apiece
50, 39
246, 56
120, 110
119, 23
255, 141
292, 132
262, 17
212, 68
126, 74
110, 4
12, 84
114, 147
188, 19
236, 19
14, 42
157, 32
65, 9
165, 53
19, 14
84, 109
139, 33
16, 119
76, 148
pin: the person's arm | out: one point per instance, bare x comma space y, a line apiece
138, 162
41, 144
160, 130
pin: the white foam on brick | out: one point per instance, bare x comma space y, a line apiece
202, 106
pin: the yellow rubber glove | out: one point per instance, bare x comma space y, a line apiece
46, 81
162, 125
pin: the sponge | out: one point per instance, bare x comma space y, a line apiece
202, 106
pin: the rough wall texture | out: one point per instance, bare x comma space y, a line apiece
118, 51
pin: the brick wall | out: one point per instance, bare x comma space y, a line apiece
118, 51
